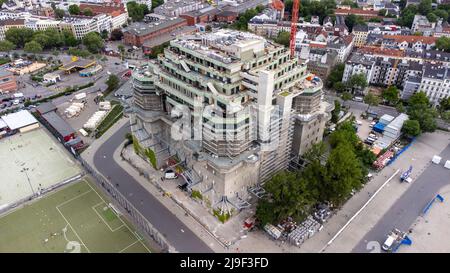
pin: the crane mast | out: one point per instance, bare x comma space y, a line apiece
295, 7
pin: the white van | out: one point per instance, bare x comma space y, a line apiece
169, 174
358, 99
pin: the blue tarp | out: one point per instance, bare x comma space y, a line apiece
379, 127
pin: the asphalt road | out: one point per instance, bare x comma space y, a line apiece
178, 235
361, 106
410, 205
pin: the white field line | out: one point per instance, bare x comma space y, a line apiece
359, 211
129, 246
70, 200
131, 231
79, 238
103, 203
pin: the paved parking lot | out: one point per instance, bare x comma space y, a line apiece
430, 232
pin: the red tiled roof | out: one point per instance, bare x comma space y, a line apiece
277, 4
317, 45
381, 51
111, 9
411, 38
356, 12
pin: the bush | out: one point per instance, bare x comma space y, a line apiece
223, 217
196, 194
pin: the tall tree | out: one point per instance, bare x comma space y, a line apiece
411, 128
33, 47
88, 12
357, 82
371, 100
59, 13
93, 42
283, 38
335, 75
6, 45
343, 173
19, 36
74, 9
336, 111
391, 95
112, 82
420, 109
346, 96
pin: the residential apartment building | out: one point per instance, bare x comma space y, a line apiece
382, 71
117, 11
245, 99
422, 25
435, 82
360, 32
10, 23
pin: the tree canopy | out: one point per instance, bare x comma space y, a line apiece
353, 20
443, 43
335, 75
283, 38
391, 95
411, 128
294, 194
19, 36
137, 11
93, 42
244, 18
419, 109
74, 9
371, 100
33, 47
6, 45
357, 82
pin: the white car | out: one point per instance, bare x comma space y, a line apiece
169, 174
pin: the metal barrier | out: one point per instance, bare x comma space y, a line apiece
400, 152
138, 219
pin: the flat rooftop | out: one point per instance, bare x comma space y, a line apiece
226, 46
19, 119
78, 64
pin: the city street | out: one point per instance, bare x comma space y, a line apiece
178, 234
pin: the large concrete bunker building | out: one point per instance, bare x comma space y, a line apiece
252, 108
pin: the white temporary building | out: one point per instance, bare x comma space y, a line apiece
447, 164
21, 120
436, 159
386, 119
393, 129
96, 118
105, 105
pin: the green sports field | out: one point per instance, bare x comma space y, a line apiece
74, 219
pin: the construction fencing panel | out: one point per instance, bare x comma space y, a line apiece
400, 152
138, 219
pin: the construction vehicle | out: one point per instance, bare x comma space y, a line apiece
394, 240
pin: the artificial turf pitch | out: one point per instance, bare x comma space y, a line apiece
74, 219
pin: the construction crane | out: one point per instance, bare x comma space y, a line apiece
295, 7
394, 67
